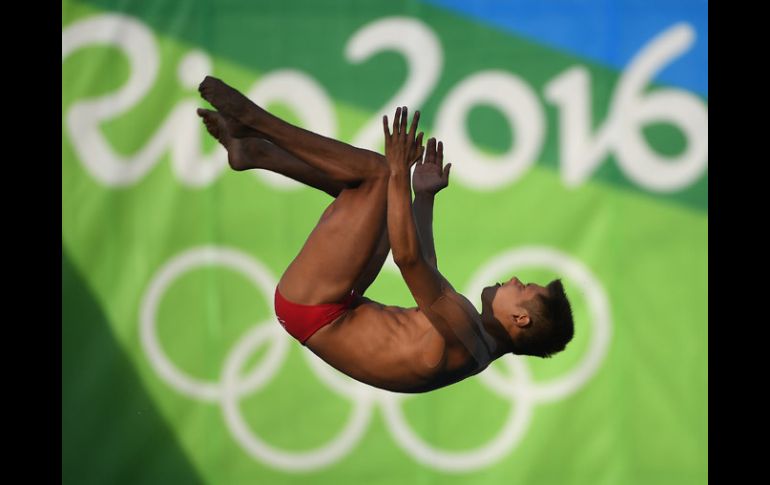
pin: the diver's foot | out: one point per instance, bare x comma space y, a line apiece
242, 153
230, 102
236, 129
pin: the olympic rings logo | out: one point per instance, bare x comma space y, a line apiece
517, 387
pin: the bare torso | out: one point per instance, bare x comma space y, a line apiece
397, 348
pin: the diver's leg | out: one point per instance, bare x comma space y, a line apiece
343, 248
340, 161
251, 152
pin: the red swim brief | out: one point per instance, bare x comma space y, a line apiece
302, 321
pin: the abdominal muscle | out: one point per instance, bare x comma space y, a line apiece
388, 347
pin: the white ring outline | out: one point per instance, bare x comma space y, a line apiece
287, 460
598, 309
517, 386
505, 440
257, 273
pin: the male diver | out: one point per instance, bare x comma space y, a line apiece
320, 297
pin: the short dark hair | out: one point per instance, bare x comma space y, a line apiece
551, 326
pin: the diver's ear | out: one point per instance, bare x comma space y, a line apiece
520, 318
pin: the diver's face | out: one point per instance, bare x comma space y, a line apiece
509, 298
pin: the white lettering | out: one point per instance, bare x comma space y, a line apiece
630, 110
581, 152
518, 103
424, 57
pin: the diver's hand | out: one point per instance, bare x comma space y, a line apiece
402, 148
430, 175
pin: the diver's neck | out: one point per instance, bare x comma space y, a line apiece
501, 344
